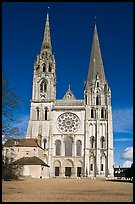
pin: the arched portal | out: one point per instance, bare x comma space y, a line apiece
68, 168
57, 168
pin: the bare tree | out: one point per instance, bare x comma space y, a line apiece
10, 104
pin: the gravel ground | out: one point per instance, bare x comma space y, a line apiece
66, 190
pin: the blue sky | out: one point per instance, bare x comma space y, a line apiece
72, 26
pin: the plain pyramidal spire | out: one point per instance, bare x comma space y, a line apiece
96, 64
47, 39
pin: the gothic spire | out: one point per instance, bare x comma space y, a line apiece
96, 68
47, 39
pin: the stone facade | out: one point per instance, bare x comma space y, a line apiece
28, 151
76, 135
15, 149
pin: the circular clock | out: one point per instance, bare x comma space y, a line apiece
68, 122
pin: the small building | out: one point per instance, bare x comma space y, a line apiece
125, 172
30, 167
30, 155
14, 149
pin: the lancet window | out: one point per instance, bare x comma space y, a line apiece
58, 147
102, 142
98, 100
102, 113
92, 142
37, 113
43, 86
68, 147
78, 148
46, 113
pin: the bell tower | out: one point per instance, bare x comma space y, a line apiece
44, 79
43, 90
98, 118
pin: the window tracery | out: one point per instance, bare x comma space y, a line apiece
68, 122
43, 86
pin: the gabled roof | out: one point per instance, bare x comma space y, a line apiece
22, 142
69, 95
29, 161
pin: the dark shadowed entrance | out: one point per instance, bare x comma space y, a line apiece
56, 171
78, 171
68, 171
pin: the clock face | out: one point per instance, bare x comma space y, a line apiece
68, 122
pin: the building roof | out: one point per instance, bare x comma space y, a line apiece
29, 161
69, 95
29, 142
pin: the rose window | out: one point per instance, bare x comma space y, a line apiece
68, 122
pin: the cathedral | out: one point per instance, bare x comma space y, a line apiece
76, 135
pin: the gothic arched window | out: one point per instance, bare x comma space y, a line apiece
98, 100
102, 140
105, 87
78, 148
102, 167
43, 86
37, 113
102, 113
45, 141
68, 147
58, 147
91, 167
92, 141
45, 113
44, 67
92, 113
50, 68
86, 98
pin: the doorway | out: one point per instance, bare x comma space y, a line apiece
78, 171
57, 171
68, 171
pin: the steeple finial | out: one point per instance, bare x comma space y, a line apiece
95, 20
48, 8
69, 87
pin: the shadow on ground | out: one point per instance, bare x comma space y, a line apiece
120, 180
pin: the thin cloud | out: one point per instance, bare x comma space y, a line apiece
123, 120
128, 154
127, 164
122, 139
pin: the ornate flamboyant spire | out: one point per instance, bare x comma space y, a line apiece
96, 68
47, 39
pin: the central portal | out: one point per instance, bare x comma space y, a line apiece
68, 171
